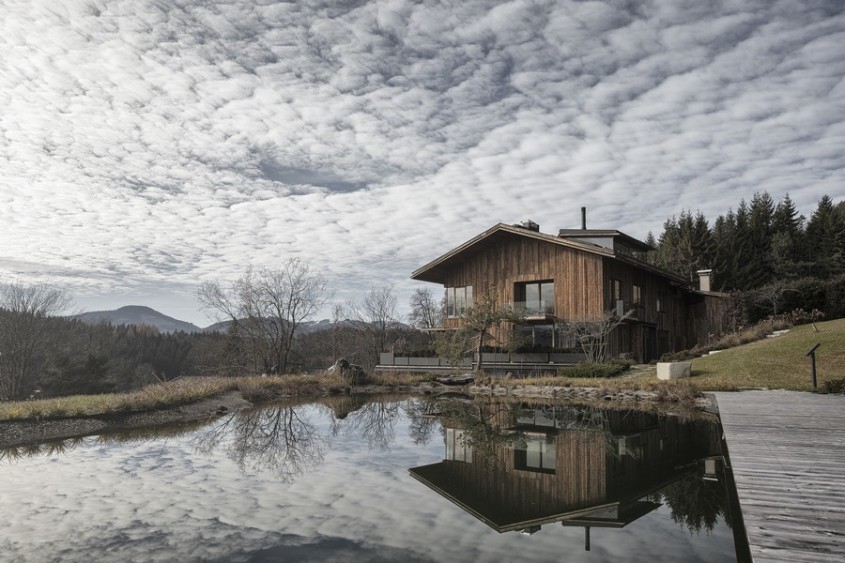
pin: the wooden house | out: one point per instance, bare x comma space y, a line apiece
576, 275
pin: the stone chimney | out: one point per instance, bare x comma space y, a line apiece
704, 279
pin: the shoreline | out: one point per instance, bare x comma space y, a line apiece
19, 433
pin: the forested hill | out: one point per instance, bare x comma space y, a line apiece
138, 315
763, 246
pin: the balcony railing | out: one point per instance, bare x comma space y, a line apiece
535, 309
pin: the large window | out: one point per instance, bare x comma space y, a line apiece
637, 295
536, 299
458, 300
458, 447
616, 304
539, 454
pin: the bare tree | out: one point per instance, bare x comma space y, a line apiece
281, 440
772, 296
268, 306
25, 312
373, 316
426, 311
482, 316
592, 334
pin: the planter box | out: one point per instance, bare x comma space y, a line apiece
673, 370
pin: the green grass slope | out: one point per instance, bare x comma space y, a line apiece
776, 363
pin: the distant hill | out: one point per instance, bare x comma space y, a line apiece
138, 315
306, 327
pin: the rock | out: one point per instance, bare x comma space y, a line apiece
346, 370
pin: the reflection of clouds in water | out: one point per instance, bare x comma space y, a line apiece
161, 500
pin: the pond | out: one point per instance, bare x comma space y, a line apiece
378, 479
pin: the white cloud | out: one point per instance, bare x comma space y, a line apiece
144, 143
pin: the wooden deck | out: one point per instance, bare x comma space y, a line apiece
787, 451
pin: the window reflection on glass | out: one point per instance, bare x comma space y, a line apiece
538, 454
458, 300
535, 298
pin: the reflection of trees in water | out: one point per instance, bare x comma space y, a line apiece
45, 449
697, 503
422, 420
374, 420
278, 439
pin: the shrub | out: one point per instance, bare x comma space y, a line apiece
834, 386
589, 369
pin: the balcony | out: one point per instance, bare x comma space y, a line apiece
535, 309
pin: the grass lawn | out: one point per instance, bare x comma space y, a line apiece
777, 363
771, 363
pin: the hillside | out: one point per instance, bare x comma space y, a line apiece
777, 363
138, 315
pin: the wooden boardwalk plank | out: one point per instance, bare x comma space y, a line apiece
787, 452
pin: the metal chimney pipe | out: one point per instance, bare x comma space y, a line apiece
583, 218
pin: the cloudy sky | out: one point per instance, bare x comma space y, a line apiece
147, 146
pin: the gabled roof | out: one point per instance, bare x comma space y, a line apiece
435, 270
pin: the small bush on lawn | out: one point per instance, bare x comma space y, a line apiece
590, 369
835, 386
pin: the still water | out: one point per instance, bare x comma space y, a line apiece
367, 479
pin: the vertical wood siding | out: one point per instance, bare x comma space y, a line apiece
582, 291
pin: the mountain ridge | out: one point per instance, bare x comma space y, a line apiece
143, 315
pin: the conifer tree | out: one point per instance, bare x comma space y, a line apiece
826, 239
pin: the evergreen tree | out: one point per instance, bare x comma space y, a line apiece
667, 249
826, 239
787, 241
724, 260
746, 259
695, 244
760, 270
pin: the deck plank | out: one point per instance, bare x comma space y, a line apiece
787, 451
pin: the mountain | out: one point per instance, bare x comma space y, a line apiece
137, 315
308, 327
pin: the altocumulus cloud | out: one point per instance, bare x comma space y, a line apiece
147, 146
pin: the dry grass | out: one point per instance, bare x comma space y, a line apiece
159, 395
190, 389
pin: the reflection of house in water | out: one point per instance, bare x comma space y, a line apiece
574, 465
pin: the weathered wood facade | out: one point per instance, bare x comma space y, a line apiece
588, 279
